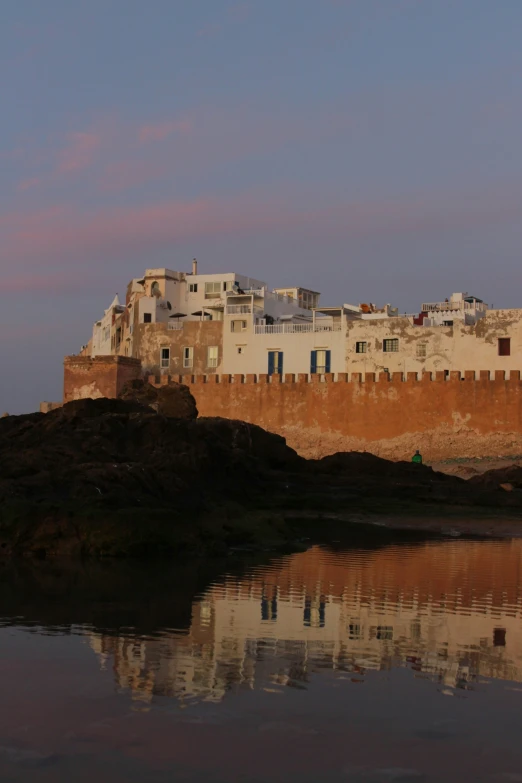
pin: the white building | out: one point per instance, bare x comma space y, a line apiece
228, 323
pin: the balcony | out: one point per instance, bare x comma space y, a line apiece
243, 309
430, 307
174, 326
296, 328
259, 292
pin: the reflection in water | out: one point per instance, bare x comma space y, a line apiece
449, 610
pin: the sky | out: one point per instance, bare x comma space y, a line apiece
367, 149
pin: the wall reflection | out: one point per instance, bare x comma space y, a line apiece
449, 610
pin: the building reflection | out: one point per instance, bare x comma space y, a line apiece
451, 611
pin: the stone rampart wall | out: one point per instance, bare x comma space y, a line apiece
445, 415
101, 376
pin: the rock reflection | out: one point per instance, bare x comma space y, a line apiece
449, 611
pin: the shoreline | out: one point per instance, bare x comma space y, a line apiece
115, 478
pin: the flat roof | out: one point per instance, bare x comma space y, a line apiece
296, 288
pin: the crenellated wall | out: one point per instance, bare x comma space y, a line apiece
446, 415
99, 376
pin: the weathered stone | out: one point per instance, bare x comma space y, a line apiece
509, 476
174, 400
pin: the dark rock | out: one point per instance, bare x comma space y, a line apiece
494, 479
113, 476
173, 400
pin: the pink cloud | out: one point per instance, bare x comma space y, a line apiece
126, 156
18, 284
79, 153
162, 130
64, 235
19, 333
27, 184
129, 174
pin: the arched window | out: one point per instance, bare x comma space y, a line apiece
155, 289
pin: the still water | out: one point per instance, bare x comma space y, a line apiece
401, 662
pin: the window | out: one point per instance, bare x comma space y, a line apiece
238, 326
155, 289
415, 630
269, 608
188, 357
320, 362
165, 358
391, 345
147, 318
212, 356
384, 632
228, 285
240, 349
314, 616
421, 350
193, 288
212, 290
499, 637
106, 333
275, 362
361, 347
504, 346
447, 323
354, 631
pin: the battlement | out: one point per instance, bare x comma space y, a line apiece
384, 378
98, 376
441, 412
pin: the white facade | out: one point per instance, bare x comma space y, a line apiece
103, 337
257, 331
209, 296
459, 307
299, 347
165, 296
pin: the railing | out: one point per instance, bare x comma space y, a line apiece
174, 326
243, 309
247, 292
332, 328
428, 307
295, 328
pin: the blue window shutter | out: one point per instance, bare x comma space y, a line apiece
313, 362
327, 361
271, 362
280, 362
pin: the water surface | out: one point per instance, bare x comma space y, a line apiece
401, 662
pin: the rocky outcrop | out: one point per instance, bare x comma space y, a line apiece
174, 400
499, 478
117, 477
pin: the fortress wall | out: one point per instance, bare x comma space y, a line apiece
101, 376
445, 415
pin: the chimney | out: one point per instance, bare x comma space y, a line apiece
194, 266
